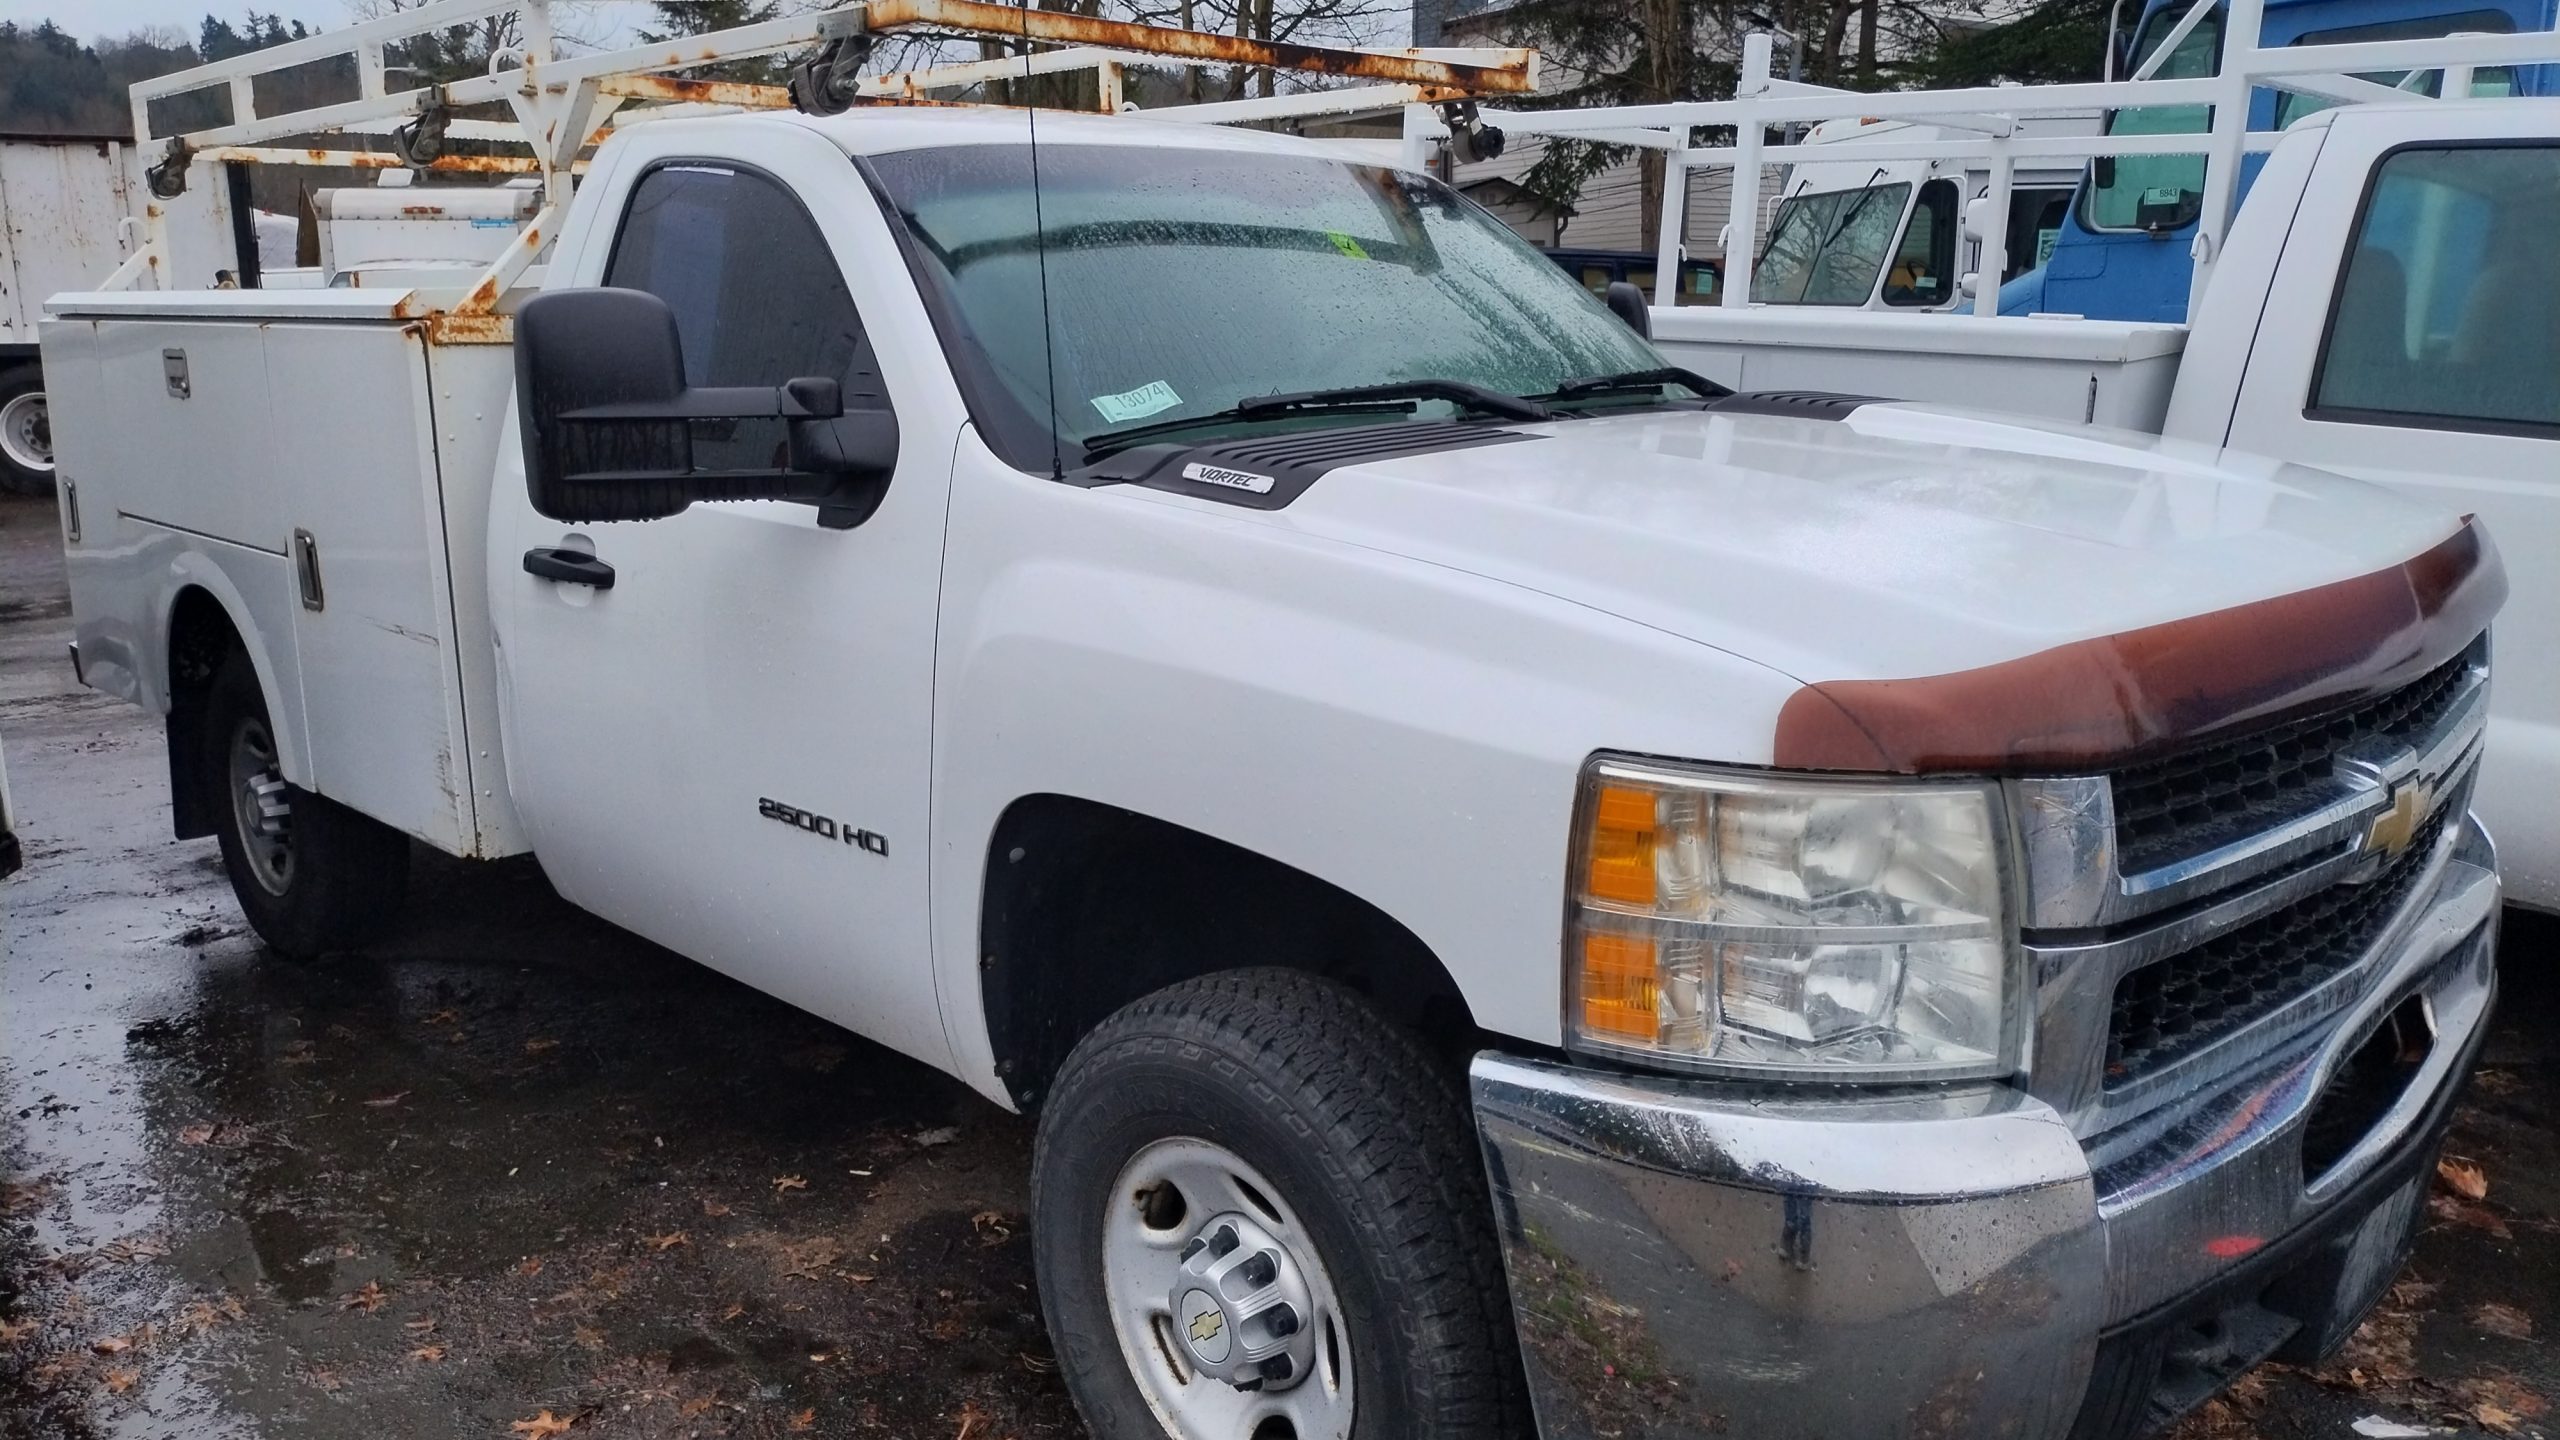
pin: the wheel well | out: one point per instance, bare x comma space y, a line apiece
201, 637
1088, 906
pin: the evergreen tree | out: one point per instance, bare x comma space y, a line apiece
675, 18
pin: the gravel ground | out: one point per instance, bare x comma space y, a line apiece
519, 1170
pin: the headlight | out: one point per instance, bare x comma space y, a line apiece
1789, 927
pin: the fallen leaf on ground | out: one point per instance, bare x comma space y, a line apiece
2504, 1321
2477, 1217
13, 1331
126, 1251
992, 1227
2493, 1418
2463, 1178
806, 1419
714, 1209
789, 1182
428, 1354
939, 1135
668, 1241
444, 1017
732, 1313
694, 1406
537, 1045
542, 1426
587, 1337
119, 1381
196, 1135
2503, 1394
424, 1325
529, 1265
112, 1345
368, 1299
385, 1102
970, 1415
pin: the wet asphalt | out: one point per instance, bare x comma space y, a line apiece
519, 1174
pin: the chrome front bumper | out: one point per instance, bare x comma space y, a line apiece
1693, 1258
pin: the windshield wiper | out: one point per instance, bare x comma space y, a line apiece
1866, 193
1396, 397
1634, 380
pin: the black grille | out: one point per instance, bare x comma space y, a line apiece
2167, 1011
2170, 809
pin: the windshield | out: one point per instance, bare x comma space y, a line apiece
1183, 281
2488, 80
1826, 249
2158, 192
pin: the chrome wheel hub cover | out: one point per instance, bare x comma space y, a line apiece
1222, 1306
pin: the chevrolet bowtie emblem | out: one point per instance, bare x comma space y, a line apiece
1206, 1325
2396, 827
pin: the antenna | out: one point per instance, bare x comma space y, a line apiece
1040, 246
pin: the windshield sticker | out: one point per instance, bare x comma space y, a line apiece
1152, 398
1232, 479
1346, 245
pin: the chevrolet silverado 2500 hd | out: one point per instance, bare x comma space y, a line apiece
1523, 888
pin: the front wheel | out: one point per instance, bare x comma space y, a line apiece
26, 433
311, 875
1259, 1215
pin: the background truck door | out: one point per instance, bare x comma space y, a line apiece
727, 750
2413, 338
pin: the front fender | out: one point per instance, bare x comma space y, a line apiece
1410, 733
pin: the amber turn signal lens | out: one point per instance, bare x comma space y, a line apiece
1622, 836
1621, 985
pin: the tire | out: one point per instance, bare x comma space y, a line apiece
26, 433
311, 875
1354, 1147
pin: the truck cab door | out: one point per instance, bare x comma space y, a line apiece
2412, 337
718, 724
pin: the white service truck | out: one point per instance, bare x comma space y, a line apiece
1903, 234
2382, 308
1525, 890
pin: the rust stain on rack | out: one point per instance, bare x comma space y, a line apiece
981, 17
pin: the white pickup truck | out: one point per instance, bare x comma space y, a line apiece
1523, 889
2382, 308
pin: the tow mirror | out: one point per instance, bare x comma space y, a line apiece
608, 420
1627, 303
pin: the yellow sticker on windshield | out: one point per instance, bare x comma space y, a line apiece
1346, 245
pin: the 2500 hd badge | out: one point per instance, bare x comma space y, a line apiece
822, 827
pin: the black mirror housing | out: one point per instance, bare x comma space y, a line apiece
1627, 303
608, 420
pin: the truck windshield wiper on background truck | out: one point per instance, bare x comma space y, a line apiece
1396, 397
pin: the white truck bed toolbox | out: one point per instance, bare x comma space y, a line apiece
2103, 372
352, 530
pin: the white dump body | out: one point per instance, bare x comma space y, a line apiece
65, 204
2102, 372
333, 493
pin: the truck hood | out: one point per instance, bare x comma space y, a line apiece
1899, 540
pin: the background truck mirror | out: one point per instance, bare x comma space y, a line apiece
1627, 303
1978, 218
608, 420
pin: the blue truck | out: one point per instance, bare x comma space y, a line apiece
2124, 249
